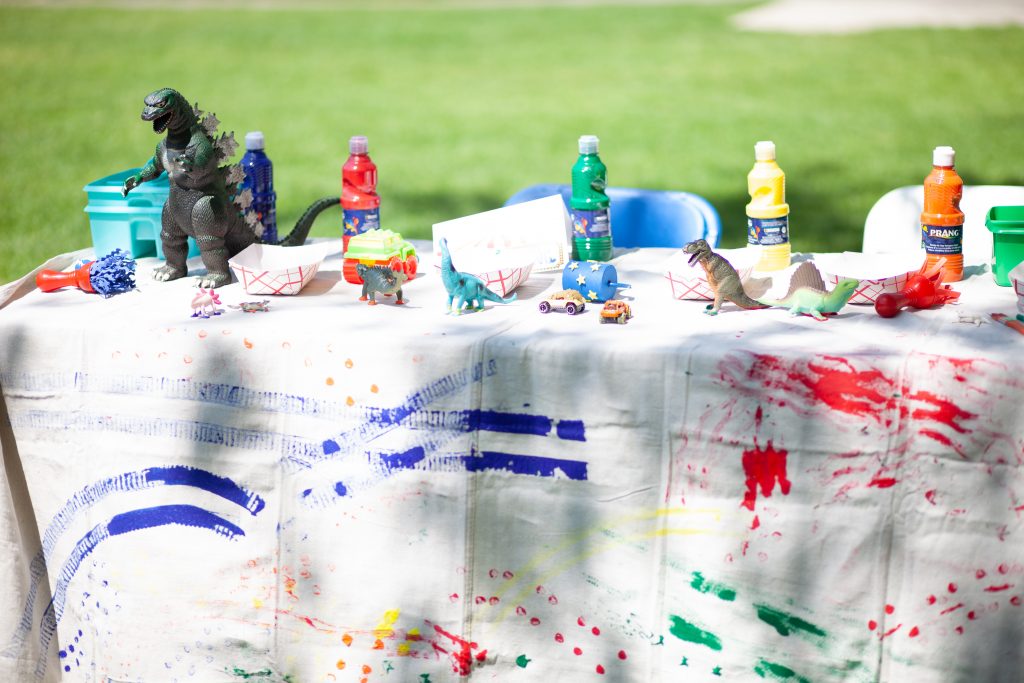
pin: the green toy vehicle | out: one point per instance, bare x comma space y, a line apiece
378, 248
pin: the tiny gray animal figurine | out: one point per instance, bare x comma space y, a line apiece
380, 279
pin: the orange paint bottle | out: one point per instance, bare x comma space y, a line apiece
942, 221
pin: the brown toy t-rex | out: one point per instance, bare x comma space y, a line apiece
723, 278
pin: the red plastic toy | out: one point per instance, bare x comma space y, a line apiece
109, 275
924, 289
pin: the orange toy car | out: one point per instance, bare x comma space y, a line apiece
616, 312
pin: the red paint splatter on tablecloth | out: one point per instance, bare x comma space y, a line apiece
997, 589
891, 631
763, 469
854, 388
462, 657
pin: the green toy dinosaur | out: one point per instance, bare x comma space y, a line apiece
202, 202
465, 289
722, 277
380, 279
807, 294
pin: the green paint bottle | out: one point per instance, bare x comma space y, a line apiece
591, 217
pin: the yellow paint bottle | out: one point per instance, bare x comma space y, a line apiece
768, 212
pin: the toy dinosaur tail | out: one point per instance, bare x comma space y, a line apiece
302, 227
744, 301
488, 294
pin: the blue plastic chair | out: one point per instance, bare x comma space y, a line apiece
646, 218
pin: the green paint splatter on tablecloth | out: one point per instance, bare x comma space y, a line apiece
786, 623
684, 630
242, 673
766, 669
702, 585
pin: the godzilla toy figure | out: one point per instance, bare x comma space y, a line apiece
465, 289
204, 201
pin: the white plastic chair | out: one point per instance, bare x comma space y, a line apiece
894, 222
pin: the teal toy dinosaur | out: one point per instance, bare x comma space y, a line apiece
465, 289
204, 201
380, 279
807, 294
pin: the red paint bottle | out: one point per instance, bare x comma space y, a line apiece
360, 202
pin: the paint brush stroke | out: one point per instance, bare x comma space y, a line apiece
484, 461
124, 523
125, 482
532, 465
684, 630
785, 623
777, 672
702, 585
148, 478
294, 448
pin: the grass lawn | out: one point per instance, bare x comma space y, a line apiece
463, 107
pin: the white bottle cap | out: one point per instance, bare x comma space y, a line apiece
588, 144
943, 156
764, 151
254, 140
357, 144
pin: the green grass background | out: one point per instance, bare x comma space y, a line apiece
465, 106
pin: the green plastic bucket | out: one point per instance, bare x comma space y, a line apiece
1007, 226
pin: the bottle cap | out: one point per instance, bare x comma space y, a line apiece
764, 151
588, 144
357, 144
254, 140
943, 156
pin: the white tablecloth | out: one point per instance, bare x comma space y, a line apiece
336, 492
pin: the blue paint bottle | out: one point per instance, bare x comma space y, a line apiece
259, 179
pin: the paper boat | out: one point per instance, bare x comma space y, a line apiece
878, 273
1017, 280
690, 282
501, 268
270, 269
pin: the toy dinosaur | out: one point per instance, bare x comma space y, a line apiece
252, 306
380, 279
204, 303
465, 289
202, 202
722, 277
807, 294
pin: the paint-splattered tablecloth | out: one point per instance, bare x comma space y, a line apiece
331, 491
